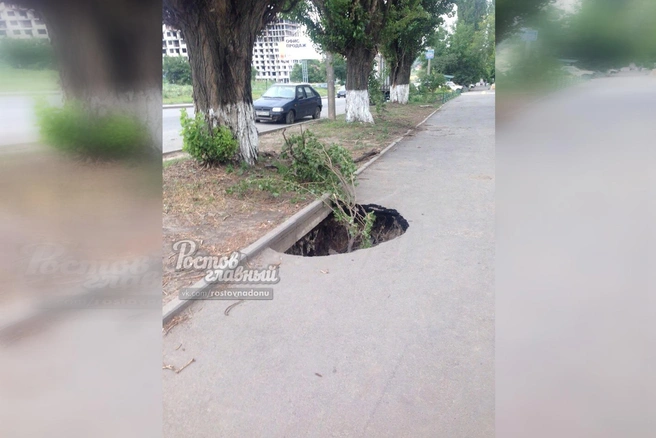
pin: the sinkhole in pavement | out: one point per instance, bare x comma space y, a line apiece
331, 237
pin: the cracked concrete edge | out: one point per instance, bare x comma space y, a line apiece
285, 234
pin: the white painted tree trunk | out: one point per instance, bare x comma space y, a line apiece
400, 93
145, 106
240, 118
357, 106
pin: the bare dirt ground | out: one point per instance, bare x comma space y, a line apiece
203, 204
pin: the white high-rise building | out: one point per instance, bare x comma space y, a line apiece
268, 60
172, 42
17, 22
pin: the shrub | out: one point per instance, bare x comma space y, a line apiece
432, 82
208, 146
73, 129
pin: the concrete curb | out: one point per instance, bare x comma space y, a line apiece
178, 105
167, 156
286, 234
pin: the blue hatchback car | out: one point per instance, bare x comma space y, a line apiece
288, 102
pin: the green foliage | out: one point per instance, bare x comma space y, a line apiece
405, 36
312, 162
176, 70
32, 53
472, 11
376, 94
72, 129
345, 27
430, 83
316, 72
339, 66
467, 53
209, 146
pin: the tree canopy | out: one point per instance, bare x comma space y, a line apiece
466, 53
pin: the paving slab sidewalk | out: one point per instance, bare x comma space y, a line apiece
391, 341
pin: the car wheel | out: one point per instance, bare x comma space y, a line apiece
257, 120
290, 117
317, 113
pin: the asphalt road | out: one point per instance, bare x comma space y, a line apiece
391, 341
171, 140
18, 121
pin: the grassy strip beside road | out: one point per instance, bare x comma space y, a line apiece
229, 207
22, 80
176, 94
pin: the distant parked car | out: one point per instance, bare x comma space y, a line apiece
341, 93
288, 102
453, 86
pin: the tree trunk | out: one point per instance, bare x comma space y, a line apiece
358, 66
400, 88
220, 41
108, 60
330, 78
220, 36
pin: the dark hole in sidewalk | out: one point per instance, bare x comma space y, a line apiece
331, 237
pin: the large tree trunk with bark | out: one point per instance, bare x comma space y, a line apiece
400, 87
220, 36
108, 60
359, 61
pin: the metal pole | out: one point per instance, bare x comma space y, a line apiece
305, 70
428, 66
330, 78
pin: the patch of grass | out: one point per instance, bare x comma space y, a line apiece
174, 94
72, 129
24, 80
357, 137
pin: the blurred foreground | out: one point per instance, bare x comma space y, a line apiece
575, 239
